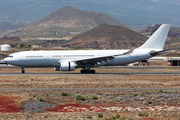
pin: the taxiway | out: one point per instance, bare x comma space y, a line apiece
71, 74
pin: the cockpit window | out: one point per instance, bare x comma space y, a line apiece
10, 56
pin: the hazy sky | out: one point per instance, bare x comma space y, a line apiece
125, 11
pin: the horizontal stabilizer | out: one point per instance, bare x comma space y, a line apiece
154, 53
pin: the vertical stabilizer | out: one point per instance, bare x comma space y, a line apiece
158, 39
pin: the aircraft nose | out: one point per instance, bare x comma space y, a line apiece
5, 60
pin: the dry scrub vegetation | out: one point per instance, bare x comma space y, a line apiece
56, 103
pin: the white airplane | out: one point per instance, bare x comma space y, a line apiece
69, 60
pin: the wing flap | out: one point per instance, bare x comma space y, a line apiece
95, 59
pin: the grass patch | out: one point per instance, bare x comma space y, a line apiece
118, 115
106, 118
94, 97
141, 94
160, 91
169, 91
130, 119
80, 97
64, 93
145, 114
146, 91
100, 115
112, 117
122, 118
40, 99
89, 116
135, 94
47, 94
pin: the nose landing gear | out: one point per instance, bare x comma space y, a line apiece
23, 71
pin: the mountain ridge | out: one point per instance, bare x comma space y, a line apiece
108, 37
141, 12
70, 13
64, 21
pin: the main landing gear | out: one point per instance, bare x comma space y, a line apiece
87, 71
23, 71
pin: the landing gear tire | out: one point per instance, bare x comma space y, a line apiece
93, 71
87, 71
82, 71
23, 71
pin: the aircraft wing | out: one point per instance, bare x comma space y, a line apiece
94, 60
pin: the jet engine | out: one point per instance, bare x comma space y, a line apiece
67, 66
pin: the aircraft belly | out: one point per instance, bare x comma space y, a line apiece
36, 63
32, 63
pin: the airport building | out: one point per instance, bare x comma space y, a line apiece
154, 61
175, 61
158, 61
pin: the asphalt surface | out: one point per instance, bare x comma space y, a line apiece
89, 88
61, 74
131, 67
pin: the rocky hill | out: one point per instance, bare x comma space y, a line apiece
172, 42
174, 32
15, 39
108, 37
64, 21
9, 40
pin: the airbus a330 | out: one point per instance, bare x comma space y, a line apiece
69, 60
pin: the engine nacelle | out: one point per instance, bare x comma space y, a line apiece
67, 66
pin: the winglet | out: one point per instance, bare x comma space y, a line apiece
158, 39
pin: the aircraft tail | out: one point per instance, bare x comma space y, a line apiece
158, 39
